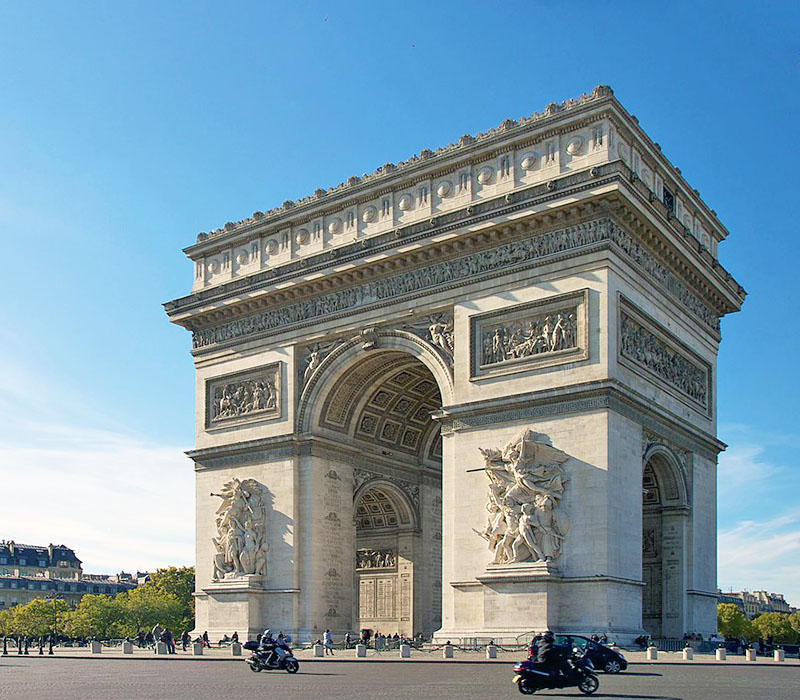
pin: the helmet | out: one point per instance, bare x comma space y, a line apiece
267, 633
549, 634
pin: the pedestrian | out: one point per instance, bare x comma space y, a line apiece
327, 640
348, 641
185, 639
235, 638
156, 632
205, 638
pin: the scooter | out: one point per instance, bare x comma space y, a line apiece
579, 672
272, 658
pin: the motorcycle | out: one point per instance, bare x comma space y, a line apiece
271, 658
579, 672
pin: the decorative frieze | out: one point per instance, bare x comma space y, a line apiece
644, 345
376, 559
537, 334
244, 397
454, 272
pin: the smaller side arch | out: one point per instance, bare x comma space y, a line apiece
407, 513
669, 474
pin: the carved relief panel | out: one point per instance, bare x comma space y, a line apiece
653, 352
528, 336
244, 397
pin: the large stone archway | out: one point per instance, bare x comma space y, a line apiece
495, 346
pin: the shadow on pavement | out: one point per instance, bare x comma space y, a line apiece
617, 695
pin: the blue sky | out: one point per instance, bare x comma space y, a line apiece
126, 128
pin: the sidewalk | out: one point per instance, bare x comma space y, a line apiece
425, 656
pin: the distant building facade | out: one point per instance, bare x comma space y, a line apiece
32, 571
754, 603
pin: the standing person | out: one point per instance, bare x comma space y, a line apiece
185, 639
327, 640
140, 639
156, 632
348, 641
168, 638
235, 638
205, 638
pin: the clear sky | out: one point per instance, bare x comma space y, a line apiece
126, 128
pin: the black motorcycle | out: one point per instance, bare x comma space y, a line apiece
577, 672
271, 658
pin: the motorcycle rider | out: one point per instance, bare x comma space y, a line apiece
268, 644
549, 656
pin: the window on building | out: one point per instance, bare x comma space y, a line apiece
669, 200
42, 563
3, 560
13, 584
22, 561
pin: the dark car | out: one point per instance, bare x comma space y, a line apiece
602, 657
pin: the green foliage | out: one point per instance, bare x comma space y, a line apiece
6, 617
732, 623
146, 606
794, 621
34, 619
779, 625
179, 582
97, 616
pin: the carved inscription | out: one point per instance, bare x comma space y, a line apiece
454, 271
244, 396
644, 347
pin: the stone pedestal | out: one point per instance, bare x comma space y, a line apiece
688, 653
96, 647
236, 649
779, 655
127, 647
447, 651
491, 652
652, 653
161, 649
361, 651
319, 651
405, 651
240, 604
750, 654
197, 649
721, 654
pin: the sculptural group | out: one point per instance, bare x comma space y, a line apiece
527, 480
240, 541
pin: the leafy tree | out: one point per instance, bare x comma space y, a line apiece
179, 582
778, 625
6, 628
794, 621
35, 618
99, 616
732, 623
146, 606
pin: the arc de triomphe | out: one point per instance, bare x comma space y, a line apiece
470, 394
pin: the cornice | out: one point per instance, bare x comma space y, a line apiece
198, 310
608, 394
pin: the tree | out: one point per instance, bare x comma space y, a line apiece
35, 619
732, 624
6, 628
97, 616
794, 621
146, 606
776, 624
179, 582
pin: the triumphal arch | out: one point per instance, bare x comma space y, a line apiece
470, 394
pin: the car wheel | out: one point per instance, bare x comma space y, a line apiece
612, 666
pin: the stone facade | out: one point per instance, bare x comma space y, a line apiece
539, 304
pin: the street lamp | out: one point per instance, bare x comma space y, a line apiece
54, 597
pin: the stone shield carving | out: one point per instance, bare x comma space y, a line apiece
526, 483
240, 544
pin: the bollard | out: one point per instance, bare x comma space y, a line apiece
688, 653
5, 646
95, 647
319, 651
361, 651
197, 649
161, 648
405, 651
491, 651
652, 653
447, 652
19, 646
27, 644
127, 647
41, 647
779, 655
750, 654
50, 645
236, 649
721, 655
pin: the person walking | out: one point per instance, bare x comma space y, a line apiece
156, 632
185, 639
327, 641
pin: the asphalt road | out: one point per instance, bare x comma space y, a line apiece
149, 679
